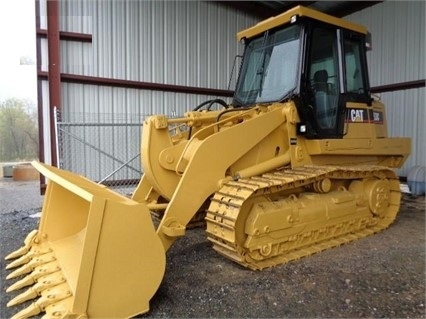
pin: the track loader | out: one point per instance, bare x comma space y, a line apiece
299, 162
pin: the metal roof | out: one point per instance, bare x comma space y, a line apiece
298, 11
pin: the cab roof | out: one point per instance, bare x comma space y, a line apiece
298, 11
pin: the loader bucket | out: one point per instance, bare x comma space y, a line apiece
94, 255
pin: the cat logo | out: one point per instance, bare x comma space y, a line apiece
364, 116
357, 115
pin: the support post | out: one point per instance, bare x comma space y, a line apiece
53, 47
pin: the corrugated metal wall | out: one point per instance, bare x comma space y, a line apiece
189, 43
398, 55
193, 43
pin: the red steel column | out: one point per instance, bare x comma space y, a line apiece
39, 98
53, 47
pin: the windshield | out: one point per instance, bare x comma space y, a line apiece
269, 70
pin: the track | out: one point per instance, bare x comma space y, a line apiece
268, 220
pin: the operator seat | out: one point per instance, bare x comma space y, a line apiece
324, 102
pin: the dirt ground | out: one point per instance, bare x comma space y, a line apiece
381, 276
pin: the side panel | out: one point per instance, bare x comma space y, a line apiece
362, 121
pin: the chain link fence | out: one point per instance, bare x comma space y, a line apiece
102, 147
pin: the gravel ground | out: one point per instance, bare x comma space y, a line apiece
382, 276
19, 196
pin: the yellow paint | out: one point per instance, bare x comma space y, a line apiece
272, 196
298, 11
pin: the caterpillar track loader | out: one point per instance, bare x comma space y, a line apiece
299, 162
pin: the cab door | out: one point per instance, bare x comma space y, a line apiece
335, 73
324, 76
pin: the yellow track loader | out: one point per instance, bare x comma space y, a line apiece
299, 162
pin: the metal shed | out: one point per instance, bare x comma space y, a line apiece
105, 65
121, 61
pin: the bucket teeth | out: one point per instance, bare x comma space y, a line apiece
31, 310
20, 261
38, 272
24, 249
27, 257
29, 267
48, 297
42, 284
27, 295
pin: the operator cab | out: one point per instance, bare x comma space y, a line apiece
316, 60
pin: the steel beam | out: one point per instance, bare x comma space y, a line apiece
54, 70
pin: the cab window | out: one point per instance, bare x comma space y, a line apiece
353, 67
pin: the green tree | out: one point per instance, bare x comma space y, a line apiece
18, 130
